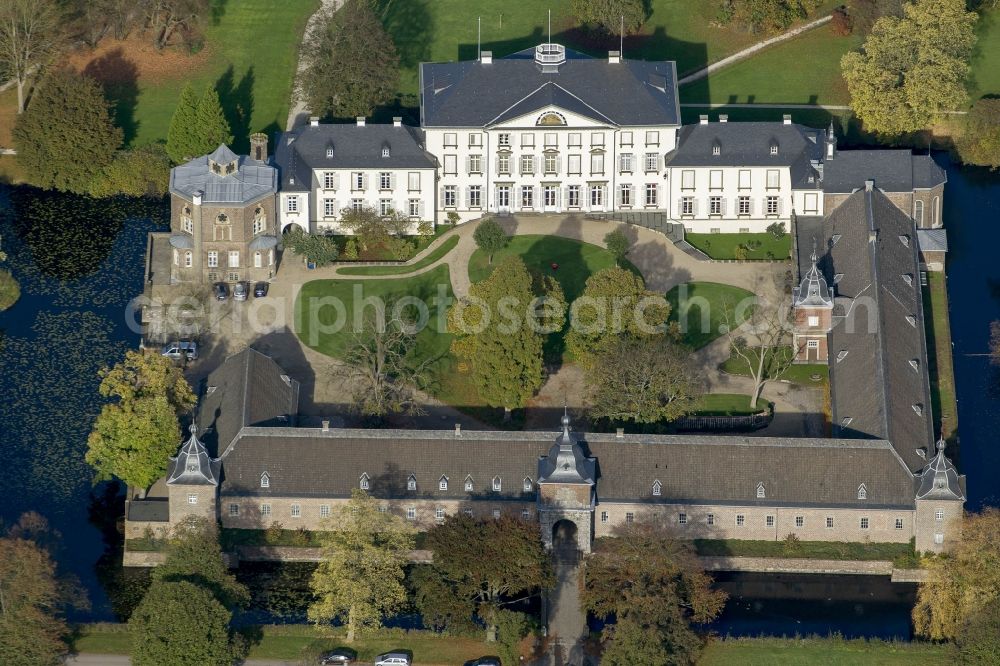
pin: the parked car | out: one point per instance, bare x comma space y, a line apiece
180, 351
260, 289
392, 659
338, 656
221, 290
484, 661
240, 291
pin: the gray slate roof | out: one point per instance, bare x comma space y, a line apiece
932, 240
251, 181
473, 94
301, 150
874, 383
149, 510
248, 389
193, 466
940, 479
892, 171
707, 469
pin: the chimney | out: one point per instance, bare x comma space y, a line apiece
397, 121
486, 57
361, 121
326, 426
723, 118
869, 185
458, 430
703, 119
787, 119
620, 433
614, 57
313, 121
258, 146
197, 197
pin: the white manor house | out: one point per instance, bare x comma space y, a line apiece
551, 130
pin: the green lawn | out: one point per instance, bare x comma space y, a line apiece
293, 642
445, 30
728, 404
802, 373
985, 79
723, 246
822, 550
803, 70
826, 651
577, 261
254, 49
434, 256
316, 317
704, 307
939, 363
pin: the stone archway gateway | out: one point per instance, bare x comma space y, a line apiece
566, 479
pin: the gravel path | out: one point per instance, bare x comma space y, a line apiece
298, 114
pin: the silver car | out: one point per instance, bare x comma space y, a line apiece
392, 659
240, 291
180, 351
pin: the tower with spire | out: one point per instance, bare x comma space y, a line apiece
193, 481
939, 499
812, 307
566, 490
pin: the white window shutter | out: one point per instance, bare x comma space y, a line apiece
496, 164
534, 164
559, 164
780, 206
565, 195
751, 205
468, 197
723, 209
441, 197
392, 180
695, 206
680, 206
420, 208
468, 164
517, 197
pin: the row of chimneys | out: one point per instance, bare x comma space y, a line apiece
723, 118
486, 57
325, 427
397, 121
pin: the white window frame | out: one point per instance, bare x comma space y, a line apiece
443, 483
451, 165
625, 194
450, 140
413, 181
296, 511
761, 491
384, 180
450, 199
741, 520
625, 162
329, 207
265, 510
265, 480
769, 521
573, 196
497, 484
234, 510
292, 204
411, 483
329, 180
475, 163
411, 513
475, 196
745, 179
324, 510
192, 498
597, 164
687, 179
574, 165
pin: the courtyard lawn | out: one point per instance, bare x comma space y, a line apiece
434, 256
701, 309
801, 373
939, 363
312, 315
803, 70
446, 30
249, 56
723, 246
827, 651
728, 404
576, 260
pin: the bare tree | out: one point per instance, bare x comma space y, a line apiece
379, 362
166, 17
759, 340
29, 37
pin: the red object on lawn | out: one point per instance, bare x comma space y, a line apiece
555, 266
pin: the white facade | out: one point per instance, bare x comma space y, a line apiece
551, 161
737, 199
408, 191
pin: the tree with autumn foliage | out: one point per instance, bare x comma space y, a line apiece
655, 588
962, 583
359, 579
480, 568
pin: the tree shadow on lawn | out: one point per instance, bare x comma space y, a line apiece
119, 77
237, 105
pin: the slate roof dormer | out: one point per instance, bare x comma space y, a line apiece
939, 479
193, 466
566, 462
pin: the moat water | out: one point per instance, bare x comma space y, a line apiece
80, 262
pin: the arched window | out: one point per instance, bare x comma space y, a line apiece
551, 118
527, 484
760, 491
259, 221
936, 212
918, 212
496, 484
862, 492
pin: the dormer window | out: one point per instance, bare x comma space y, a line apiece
918, 409
911, 320
716, 148
904, 239
329, 153
411, 483
915, 364
496, 484
192, 467
469, 486
365, 482
760, 491
837, 278
834, 238
385, 151
527, 484
265, 480
862, 492
846, 421
657, 488
443, 483
774, 147
908, 279
841, 355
